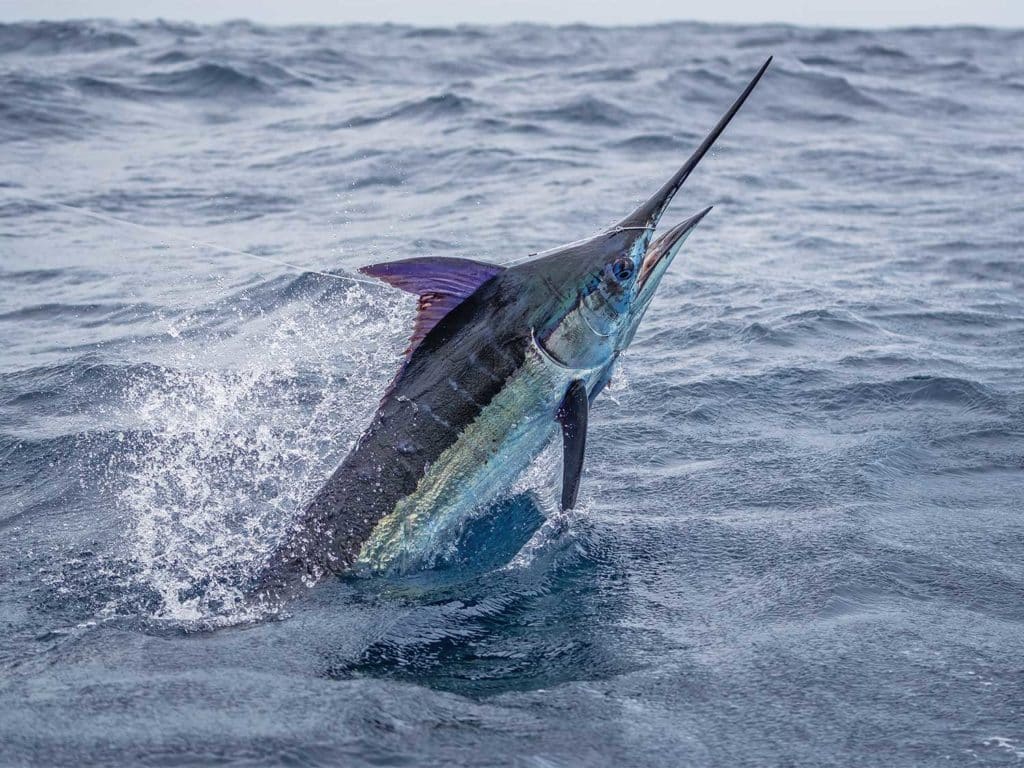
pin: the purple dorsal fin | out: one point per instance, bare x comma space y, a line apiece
441, 284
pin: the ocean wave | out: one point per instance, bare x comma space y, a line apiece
86, 314
439, 106
68, 386
492, 125
913, 390
954, 319
37, 106
829, 322
208, 80
96, 86
48, 38
822, 61
585, 110
604, 75
878, 50
806, 391
172, 57
825, 87
203, 80
460, 32
31, 276
652, 142
928, 576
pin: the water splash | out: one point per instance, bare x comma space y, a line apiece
234, 435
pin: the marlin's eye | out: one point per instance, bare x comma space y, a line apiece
622, 269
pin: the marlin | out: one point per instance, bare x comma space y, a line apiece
500, 361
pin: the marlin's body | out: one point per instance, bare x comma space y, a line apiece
447, 439
500, 360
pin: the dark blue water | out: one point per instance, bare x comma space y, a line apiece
800, 540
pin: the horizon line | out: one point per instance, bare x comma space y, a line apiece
227, 20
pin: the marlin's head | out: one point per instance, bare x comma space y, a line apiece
601, 287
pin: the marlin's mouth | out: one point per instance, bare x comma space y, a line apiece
661, 252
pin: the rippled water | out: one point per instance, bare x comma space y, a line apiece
800, 539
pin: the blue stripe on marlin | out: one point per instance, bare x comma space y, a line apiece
500, 360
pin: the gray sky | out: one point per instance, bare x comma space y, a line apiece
873, 13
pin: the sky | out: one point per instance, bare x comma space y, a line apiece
849, 13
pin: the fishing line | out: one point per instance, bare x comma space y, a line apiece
181, 238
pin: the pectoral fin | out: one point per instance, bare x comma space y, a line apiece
572, 415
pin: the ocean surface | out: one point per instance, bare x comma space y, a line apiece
800, 540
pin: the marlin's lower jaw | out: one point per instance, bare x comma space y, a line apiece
660, 254
655, 263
